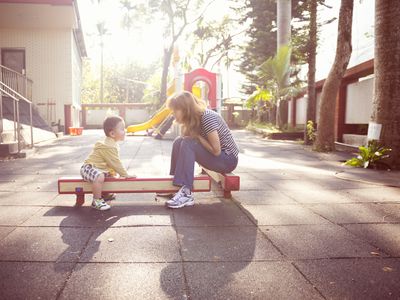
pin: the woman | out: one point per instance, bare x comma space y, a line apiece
205, 139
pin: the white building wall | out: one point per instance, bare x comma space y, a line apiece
76, 82
301, 111
359, 102
362, 35
48, 55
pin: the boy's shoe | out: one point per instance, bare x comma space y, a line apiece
180, 200
109, 197
100, 204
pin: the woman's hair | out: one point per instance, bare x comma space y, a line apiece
110, 123
191, 108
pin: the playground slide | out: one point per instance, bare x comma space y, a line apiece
152, 123
155, 120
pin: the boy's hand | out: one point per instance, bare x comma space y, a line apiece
128, 176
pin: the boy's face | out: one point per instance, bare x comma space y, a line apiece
118, 133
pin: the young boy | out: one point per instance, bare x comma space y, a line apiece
104, 161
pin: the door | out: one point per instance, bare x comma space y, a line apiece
13, 59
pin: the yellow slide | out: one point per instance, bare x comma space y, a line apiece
152, 123
157, 119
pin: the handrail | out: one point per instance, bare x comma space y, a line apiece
13, 95
17, 81
16, 93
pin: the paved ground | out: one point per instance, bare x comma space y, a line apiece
296, 230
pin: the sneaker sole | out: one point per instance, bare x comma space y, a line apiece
191, 203
99, 208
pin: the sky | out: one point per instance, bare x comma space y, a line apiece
119, 45
147, 46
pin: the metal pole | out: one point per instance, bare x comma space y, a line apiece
30, 117
14, 120
18, 128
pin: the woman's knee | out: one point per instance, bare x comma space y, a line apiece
188, 142
177, 142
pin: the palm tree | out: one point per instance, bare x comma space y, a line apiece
326, 127
274, 72
386, 107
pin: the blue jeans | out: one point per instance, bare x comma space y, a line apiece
186, 151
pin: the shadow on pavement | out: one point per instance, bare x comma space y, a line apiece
210, 235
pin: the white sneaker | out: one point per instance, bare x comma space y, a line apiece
100, 204
180, 200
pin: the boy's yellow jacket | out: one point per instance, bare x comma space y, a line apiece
105, 157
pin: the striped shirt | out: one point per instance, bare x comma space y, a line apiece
210, 121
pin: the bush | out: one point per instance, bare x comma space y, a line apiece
370, 156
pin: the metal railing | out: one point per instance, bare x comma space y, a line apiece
18, 88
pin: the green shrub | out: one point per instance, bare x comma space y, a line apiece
370, 156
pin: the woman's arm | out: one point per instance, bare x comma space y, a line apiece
212, 143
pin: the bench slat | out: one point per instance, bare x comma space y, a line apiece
75, 185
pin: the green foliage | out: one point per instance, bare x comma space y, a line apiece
259, 95
122, 84
311, 131
274, 71
370, 156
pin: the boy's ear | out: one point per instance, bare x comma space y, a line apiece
111, 133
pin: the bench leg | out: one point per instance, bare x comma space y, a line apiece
80, 199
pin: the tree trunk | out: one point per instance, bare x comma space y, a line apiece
284, 17
386, 105
312, 47
326, 127
164, 79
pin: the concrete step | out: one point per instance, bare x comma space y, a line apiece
8, 148
7, 136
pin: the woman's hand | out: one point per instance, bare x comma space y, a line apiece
212, 143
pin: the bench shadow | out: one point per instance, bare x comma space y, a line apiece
198, 229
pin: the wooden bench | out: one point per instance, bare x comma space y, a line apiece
79, 187
228, 182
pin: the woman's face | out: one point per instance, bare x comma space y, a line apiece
178, 115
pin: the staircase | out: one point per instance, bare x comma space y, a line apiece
15, 92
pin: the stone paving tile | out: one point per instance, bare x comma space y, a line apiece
225, 244
128, 214
354, 279
247, 280
132, 244
126, 281
15, 215
29, 183
44, 244
26, 198
317, 196
256, 185
317, 241
358, 213
373, 194
282, 215
262, 198
32, 280
61, 216
384, 236
212, 213
4, 231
